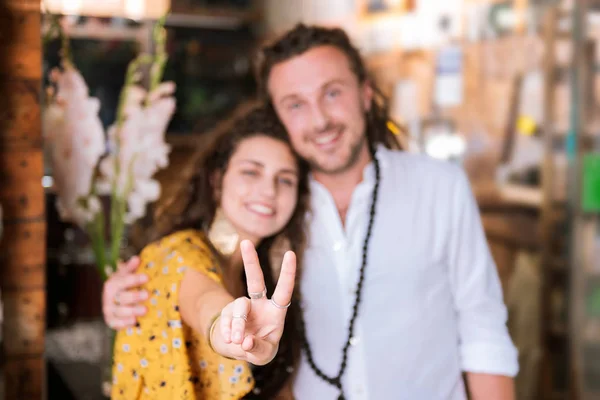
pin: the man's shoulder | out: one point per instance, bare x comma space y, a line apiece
422, 166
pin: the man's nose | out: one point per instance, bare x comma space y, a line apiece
319, 118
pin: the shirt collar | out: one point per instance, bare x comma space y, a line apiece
383, 156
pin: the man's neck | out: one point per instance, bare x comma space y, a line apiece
341, 185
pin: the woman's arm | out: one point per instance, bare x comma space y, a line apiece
200, 300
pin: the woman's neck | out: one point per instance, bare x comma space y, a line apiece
233, 272
232, 267
226, 239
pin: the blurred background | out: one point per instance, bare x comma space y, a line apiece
508, 89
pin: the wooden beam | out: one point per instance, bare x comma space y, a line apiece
23, 245
546, 210
580, 113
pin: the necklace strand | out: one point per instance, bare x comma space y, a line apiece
337, 380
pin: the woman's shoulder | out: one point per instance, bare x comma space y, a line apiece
185, 238
186, 245
178, 252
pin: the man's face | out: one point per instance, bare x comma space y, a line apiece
323, 107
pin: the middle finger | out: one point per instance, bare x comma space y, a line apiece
131, 297
125, 311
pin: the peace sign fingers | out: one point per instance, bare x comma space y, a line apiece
256, 280
254, 275
254, 326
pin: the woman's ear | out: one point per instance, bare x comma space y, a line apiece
216, 183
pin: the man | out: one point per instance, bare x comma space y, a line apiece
399, 292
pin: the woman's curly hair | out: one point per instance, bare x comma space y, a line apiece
199, 213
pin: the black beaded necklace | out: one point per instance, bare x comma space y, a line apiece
337, 380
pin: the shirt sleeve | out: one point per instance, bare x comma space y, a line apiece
179, 252
485, 345
195, 254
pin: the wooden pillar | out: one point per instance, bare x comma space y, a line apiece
23, 244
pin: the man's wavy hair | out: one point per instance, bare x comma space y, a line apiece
380, 127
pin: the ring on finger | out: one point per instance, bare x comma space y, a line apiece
258, 295
116, 298
242, 316
280, 306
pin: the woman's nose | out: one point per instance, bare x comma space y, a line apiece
268, 187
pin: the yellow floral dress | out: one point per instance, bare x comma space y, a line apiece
162, 357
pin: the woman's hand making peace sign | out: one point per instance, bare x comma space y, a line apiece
252, 327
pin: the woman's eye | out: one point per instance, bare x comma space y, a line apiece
287, 181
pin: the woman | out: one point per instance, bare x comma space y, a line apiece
202, 338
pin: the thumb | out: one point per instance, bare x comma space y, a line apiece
260, 351
130, 266
249, 344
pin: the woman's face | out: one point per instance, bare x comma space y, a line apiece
259, 188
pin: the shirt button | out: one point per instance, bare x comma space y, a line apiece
337, 246
354, 340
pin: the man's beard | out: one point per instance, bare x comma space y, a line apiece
355, 150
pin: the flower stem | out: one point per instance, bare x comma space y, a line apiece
159, 35
119, 200
96, 232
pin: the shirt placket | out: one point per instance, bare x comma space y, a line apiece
358, 216
346, 246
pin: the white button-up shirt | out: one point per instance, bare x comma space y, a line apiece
432, 303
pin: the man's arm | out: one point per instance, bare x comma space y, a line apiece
487, 353
490, 387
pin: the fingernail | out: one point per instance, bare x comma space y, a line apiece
226, 336
237, 336
140, 310
143, 278
143, 294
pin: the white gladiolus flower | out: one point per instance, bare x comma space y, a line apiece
138, 148
90, 165
74, 130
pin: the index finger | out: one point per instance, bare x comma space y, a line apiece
120, 282
287, 278
254, 275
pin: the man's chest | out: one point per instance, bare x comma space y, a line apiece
405, 263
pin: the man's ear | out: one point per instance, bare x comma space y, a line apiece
367, 95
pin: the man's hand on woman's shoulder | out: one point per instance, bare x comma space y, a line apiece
121, 300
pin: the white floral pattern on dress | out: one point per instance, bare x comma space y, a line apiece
168, 355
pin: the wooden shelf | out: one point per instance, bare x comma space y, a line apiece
515, 230
558, 266
507, 196
106, 32
213, 18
